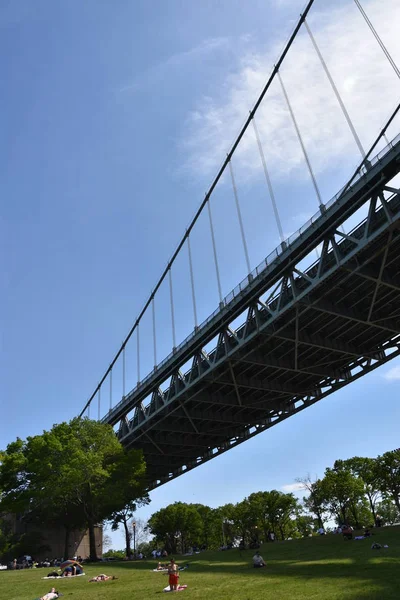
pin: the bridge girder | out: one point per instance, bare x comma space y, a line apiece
294, 347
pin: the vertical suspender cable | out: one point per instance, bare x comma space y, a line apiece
192, 283
98, 403
171, 297
300, 141
88, 410
212, 186
246, 252
110, 389
335, 90
123, 372
269, 184
215, 252
153, 309
378, 39
138, 352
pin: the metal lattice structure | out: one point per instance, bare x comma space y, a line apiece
317, 331
294, 331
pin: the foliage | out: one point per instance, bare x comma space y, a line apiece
388, 475
365, 469
118, 554
107, 542
315, 501
177, 526
305, 525
77, 474
123, 516
342, 493
388, 512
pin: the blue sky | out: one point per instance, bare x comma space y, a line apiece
115, 117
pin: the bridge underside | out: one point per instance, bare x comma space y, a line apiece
318, 330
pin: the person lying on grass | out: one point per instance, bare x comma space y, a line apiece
103, 577
51, 595
258, 561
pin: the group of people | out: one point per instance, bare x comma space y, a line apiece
53, 593
159, 553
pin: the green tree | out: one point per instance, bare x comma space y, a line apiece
31, 487
225, 530
272, 511
178, 525
388, 511
342, 491
305, 524
366, 470
388, 475
122, 517
209, 524
245, 521
286, 509
76, 474
315, 501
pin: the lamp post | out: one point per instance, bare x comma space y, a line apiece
134, 538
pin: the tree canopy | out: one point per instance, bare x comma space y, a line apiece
77, 474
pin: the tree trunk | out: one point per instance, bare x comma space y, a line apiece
282, 534
372, 507
92, 543
66, 542
128, 550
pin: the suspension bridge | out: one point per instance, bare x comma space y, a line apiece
319, 312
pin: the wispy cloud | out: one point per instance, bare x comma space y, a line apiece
366, 82
179, 60
393, 374
292, 487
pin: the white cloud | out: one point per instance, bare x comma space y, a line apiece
180, 59
292, 487
393, 374
366, 82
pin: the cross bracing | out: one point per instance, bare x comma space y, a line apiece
304, 333
293, 331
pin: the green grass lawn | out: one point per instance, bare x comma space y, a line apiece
325, 567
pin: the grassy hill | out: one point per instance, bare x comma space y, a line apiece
325, 567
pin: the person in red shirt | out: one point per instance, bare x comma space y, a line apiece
173, 573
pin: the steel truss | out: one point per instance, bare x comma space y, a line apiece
305, 333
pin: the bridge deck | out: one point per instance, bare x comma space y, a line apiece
321, 329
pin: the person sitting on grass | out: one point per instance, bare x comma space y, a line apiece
102, 577
367, 533
347, 532
173, 572
258, 561
72, 570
